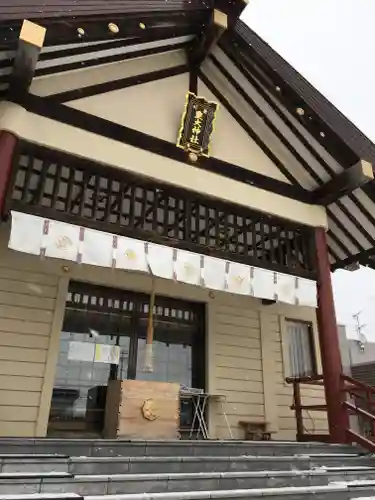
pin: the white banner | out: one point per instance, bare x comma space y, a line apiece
44, 237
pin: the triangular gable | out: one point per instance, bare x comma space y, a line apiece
148, 94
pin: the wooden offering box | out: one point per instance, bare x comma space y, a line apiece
137, 409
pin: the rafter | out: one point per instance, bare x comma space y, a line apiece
30, 44
209, 36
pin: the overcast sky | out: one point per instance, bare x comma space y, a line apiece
331, 42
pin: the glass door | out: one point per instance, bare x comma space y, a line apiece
103, 338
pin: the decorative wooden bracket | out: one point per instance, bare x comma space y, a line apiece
344, 183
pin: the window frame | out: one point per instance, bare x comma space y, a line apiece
285, 345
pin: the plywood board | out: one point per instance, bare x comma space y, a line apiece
147, 410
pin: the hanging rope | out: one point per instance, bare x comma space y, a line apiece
148, 361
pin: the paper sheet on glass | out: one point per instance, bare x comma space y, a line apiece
188, 267
26, 233
81, 351
61, 241
262, 284
130, 254
160, 260
97, 248
307, 293
238, 279
109, 354
214, 273
286, 288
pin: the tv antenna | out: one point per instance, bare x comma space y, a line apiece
361, 337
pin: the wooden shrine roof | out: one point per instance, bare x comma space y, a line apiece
319, 145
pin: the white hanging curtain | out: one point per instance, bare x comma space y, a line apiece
49, 238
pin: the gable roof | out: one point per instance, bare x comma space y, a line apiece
323, 140
314, 141
322, 107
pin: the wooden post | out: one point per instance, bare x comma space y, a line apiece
338, 419
298, 410
8, 143
148, 363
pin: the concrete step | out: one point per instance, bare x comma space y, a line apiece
329, 492
156, 465
158, 483
189, 464
87, 447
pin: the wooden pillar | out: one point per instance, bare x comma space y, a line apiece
8, 143
338, 420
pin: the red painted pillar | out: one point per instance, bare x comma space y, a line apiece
8, 143
338, 419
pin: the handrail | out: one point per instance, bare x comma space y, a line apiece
360, 411
361, 440
304, 380
358, 384
351, 387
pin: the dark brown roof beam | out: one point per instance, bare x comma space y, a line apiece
208, 38
30, 44
344, 183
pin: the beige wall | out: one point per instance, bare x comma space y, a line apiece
156, 107
244, 338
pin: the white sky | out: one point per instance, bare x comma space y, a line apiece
331, 42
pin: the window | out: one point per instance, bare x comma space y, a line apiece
300, 345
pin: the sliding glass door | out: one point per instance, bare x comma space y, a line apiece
103, 338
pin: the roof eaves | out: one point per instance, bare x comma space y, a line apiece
356, 140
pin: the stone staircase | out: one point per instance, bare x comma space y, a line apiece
119, 470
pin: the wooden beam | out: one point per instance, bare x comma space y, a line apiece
44, 106
208, 38
344, 183
8, 147
30, 44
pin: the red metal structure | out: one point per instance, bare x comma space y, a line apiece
362, 394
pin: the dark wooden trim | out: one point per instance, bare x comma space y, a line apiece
29, 47
235, 59
268, 122
308, 168
115, 42
110, 59
346, 231
362, 258
242, 231
205, 42
258, 53
344, 183
63, 28
8, 152
103, 88
193, 80
45, 106
251, 133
